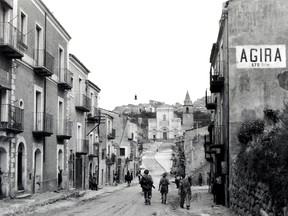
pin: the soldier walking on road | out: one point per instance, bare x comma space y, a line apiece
185, 192
163, 187
146, 183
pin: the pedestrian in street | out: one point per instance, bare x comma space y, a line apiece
94, 182
177, 181
146, 183
209, 181
163, 187
90, 181
213, 189
139, 174
60, 177
128, 178
185, 192
200, 179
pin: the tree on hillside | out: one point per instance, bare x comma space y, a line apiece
202, 118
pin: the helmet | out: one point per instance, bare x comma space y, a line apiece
164, 174
146, 171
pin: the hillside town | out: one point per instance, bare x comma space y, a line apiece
61, 153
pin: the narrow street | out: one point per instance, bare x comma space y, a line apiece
129, 201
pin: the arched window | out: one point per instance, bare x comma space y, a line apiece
164, 117
187, 109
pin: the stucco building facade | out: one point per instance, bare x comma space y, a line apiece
247, 77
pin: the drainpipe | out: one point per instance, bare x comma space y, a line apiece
44, 111
228, 113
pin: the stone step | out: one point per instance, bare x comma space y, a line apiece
22, 196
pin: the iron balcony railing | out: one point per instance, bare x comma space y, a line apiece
43, 123
8, 3
4, 79
112, 134
94, 115
83, 102
94, 151
10, 37
64, 129
11, 118
44, 59
210, 101
82, 146
65, 78
216, 77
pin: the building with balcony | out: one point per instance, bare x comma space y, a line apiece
81, 142
127, 138
32, 105
93, 120
107, 148
247, 77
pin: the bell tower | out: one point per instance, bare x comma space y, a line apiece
188, 118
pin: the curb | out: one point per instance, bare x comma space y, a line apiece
28, 207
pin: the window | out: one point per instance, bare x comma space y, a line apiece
164, 117
60, 122
103, 154
122, 151
39, 57
61, 64
23, 27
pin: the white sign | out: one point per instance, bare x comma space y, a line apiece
261, 56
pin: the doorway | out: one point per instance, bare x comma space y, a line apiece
78, 172
37, 171
20, 167
165, 135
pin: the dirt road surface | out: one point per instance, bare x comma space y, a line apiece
129, 201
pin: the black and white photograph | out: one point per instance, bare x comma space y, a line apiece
143, 107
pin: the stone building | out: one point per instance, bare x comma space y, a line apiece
165, 126
39, 84
248, 76
127, 146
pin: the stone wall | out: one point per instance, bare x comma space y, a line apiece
247, 198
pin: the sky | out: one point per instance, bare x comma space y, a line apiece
156, 49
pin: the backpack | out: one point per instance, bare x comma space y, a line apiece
185, 186
146, 182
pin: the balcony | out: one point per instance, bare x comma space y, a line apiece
210, 101
112, 134
11, 119
64, 129
65, 78
43, 62
82, 102
111, 160
5, 80
94, 116
7, 3
217, 143
94, 151
216, 78
82, 146
43, 124
9, 40
207, 149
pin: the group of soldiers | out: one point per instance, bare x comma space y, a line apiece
184, 188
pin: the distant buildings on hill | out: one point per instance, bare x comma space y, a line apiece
198, 105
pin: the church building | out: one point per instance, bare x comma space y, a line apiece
167, 126
188, 119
